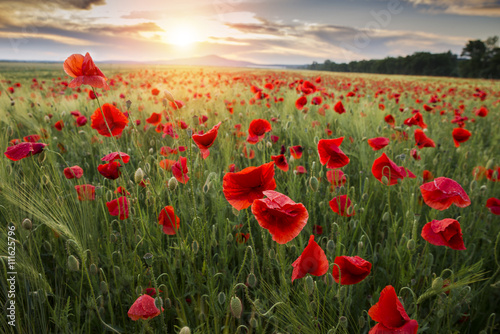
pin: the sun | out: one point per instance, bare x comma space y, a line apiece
181, 35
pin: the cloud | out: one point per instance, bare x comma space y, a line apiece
460, 7
64, 4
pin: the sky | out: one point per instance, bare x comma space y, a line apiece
258, 31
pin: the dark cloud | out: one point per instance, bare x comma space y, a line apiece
63, 4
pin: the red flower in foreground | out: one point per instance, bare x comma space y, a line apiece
336, 177
180, 170
280, 161
296, 151
120, 156
206, 140
339, 108
119, 207
86, 192
281, 216
154, 119
421, 140
242, 188
384, 166
169, 220
23, 150
391, 315
143, 308
481, 112
353, 269
427, 175
110, 170
257, 130
414, 154
330, 153
59, 125
460, 135
493, 204
443, 192
389, 119
73, 172
446, 232
340, 205
113, 118
301, 102
417, 119
32, 138
312, 260
378, 143
84, 72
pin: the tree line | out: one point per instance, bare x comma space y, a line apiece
479, 59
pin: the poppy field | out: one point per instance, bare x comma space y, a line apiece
214, 200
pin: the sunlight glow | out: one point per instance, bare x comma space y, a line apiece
181, 35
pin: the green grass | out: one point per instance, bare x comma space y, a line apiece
201, 268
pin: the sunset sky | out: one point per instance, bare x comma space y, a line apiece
260, 31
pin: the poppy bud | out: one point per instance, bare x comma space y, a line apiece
361, 322
172, 183
385, 180
26, 224
343, 321
168, 303
148, 258
236, 307
410, 244
385, 217
431, 259
169, 96
252, 280
309, 285
103, 287
253, 322
185, 330
113, 238
73, 263
139, 175
269, 144
229, 238
272, 254
221, 298
440, 314
314, 183
437, 284
360, 245
195, 246
47, 246
483, 188
93, 269
330, 246
342, 292
128, 103
329, 279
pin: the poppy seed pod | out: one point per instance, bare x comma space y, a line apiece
236, 307
26, 224
93, 269
252, 280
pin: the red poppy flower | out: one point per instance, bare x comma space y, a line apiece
81, 121
167, 164
493, 204
336, 177
32, 138
23, 150
73, 172
446, 232
257, 130
353, 269
242, 238
378, 143
143, 308
427, 175
481, 112
300, 170
330, 153
155, 91
317, 100
151, 291
110, 170
301, 102
296, 151
120, 156
312, 260
389, 119
180, 170
86, 192
391, 315
416, 119
479, 173
177, 105
113, 118
119, 207
206, 140
318, 229
383, 166
121, 191
280, 161
167, 151
421, 140
84, 72
340, 205
414, 154
242, 188
59, 125
154, 119
493, 174
339, 108
443, 192
169, 220
281, 216
460, 135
